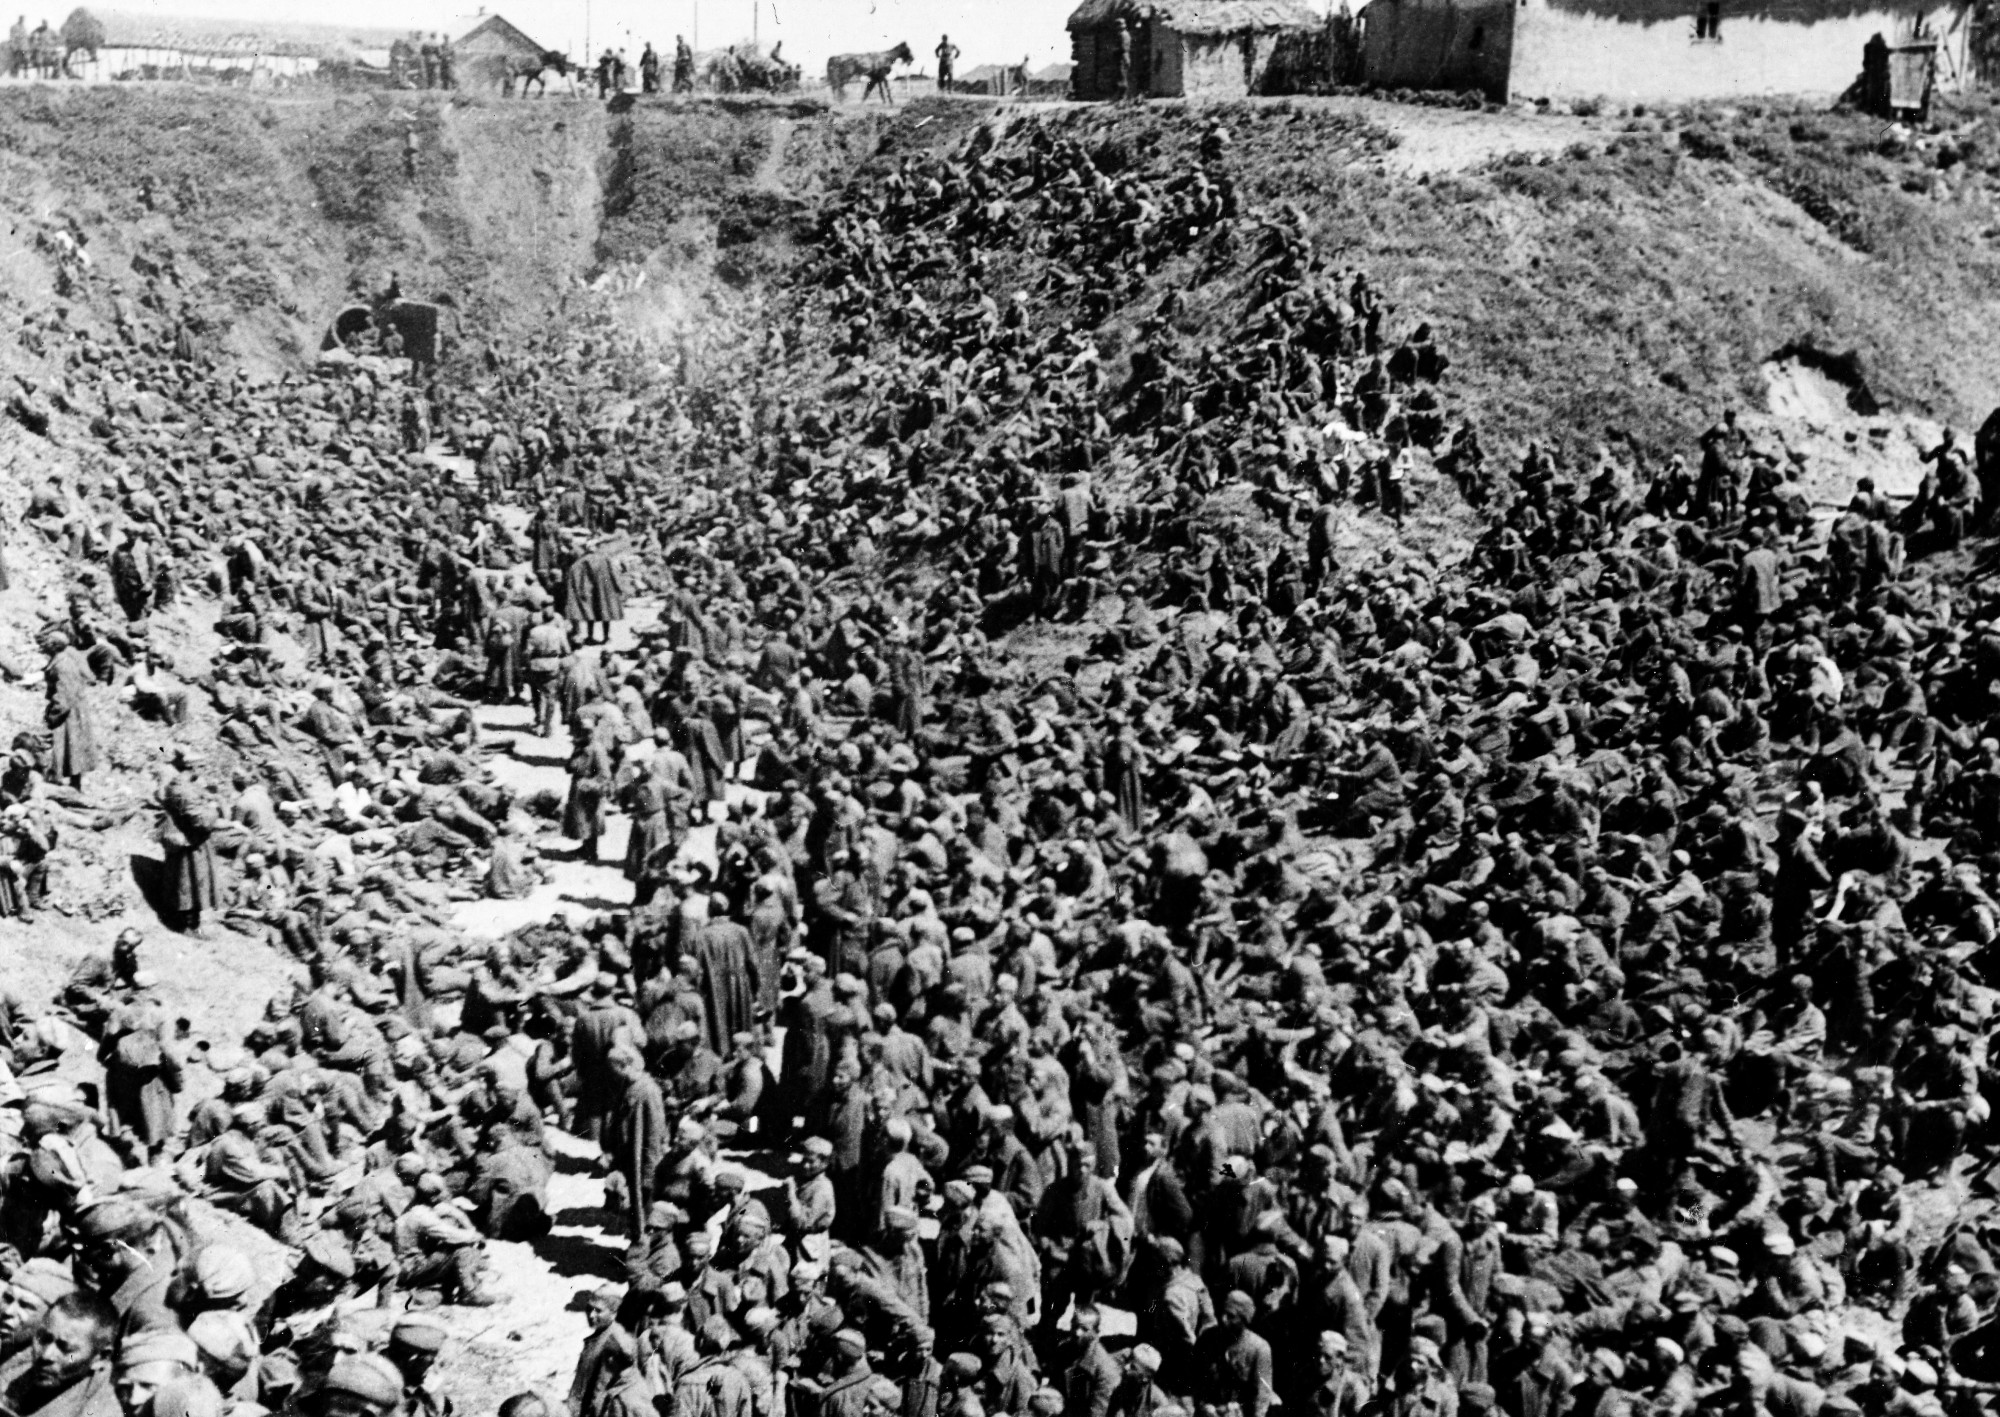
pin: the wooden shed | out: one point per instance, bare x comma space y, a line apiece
490, 50
1183, 48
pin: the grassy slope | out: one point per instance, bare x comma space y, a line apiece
1633, 288
1625, 284
1633, 285
1638, 288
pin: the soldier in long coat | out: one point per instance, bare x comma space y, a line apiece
589, 780
645, 799
594, 594
72, 725
725, 972
142, 1072
635, 1135
188, 822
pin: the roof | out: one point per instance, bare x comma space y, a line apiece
134, 29
496, 32
1201, 16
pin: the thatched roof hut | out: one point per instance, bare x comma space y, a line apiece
1181, 48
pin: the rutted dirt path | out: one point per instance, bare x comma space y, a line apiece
532, 1338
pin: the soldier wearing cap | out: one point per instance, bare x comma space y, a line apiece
25, 1298
603, 1026
634, 1135
897, 1258
750, 1247
228, 1345
874, 1305
747, 1089
126, 1256
240, 1178
146, 1362
666, 1346
807, 1317
657, 1257
414, 1345
437, 1247
714, 1386
97, 984
1015, 1172
1463, 1270
1423, 1388
1088, 1375
1174, 1317
688, 1070
810, 1204
1233, 1362
848, 1376
1336, 1389
711, 1288
624, 1388
224, 1278
902, 1181
1139, 1393
1010, 1375
600, 1310
958, 1387
356, 1385
760, 1358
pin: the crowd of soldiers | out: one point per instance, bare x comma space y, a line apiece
41, 50
1334, 979
423, 62
613, 72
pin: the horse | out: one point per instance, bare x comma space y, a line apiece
843, 69
535, 71
741, 69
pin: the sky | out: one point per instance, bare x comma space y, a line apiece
986, 31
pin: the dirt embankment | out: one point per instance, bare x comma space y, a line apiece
1627, 274
262, 215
